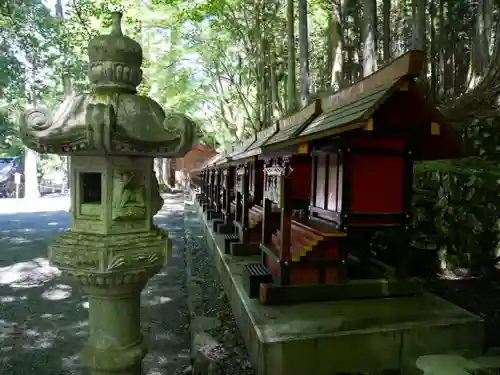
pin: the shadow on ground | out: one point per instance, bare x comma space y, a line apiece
477, 295
43, 318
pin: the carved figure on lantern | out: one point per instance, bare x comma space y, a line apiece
129, 196
112, 247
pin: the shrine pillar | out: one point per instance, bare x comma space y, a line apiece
112, 247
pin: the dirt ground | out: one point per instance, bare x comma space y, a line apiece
480, 296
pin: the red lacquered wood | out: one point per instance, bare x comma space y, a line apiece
376, 183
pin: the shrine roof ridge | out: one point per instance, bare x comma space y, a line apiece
292, 125
262, 137
356, 114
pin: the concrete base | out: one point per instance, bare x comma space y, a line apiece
350, 336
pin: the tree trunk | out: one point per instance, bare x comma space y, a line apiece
67, 87
370, 37
158, 166
482, 101
433, 55
304, 54
290, 82
419, 34
31, 190
386, 10
276, 105
335, 47
164, 170
268, 84
482, 33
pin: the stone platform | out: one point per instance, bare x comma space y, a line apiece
351, 336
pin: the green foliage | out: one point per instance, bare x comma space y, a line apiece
456, 204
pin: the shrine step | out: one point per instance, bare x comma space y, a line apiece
254, 275
213, 214
274, 294
216, 224
244, 249
228, 238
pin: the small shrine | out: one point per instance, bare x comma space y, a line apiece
112, 247
359, 147
306, 289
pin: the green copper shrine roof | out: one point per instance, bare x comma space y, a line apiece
359, 108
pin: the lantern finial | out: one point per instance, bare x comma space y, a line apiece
115, 60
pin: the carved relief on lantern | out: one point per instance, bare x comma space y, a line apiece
129, 195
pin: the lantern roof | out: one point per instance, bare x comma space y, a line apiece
111, 119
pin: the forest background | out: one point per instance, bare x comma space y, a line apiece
236, 66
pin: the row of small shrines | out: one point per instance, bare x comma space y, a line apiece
307, 194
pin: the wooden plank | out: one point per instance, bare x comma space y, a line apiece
245, 208
286, 216
340, 179
332, 183
320, 181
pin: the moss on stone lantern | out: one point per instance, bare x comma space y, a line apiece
112, 246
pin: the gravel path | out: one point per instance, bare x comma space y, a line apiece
218, 346
43, 316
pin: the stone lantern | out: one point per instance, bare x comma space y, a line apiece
112, 247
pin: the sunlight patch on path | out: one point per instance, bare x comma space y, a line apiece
57, 292
29, 274
12, 205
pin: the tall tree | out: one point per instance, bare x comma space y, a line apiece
305, 80
291, 77
369, 37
